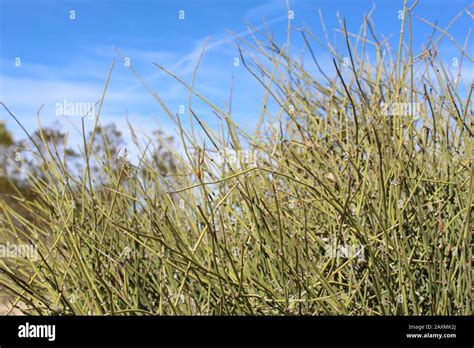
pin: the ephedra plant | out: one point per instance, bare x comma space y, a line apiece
353, 196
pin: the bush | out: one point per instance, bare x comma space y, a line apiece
353, 198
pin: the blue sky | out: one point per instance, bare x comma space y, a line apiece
68, 59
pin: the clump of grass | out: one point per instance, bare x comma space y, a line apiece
332, 206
